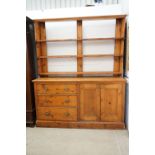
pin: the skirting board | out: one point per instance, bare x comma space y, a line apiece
92, 125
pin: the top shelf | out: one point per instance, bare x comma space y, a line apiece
107, 17
88, 39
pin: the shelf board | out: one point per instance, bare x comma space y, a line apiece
80, 73
111, 38
75, 56
98, 55
57, 56
56, 40
84, 39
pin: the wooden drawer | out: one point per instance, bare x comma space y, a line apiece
53, 100
57, 113
56, 89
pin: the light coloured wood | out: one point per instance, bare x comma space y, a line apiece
112, 103
57, 56
57, 113
74, 56
56, 100
82, 79
89, 102
38, 45
43, 47
82, 124
56, 88
118, 52
101, 55
93, 39
106, 17
79, 39
80, 73
119, 45
56, 40
86, 99
79, 46
122, 44
80, 102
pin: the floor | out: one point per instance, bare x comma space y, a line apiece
54, 141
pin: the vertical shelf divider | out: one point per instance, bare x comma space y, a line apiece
122, 44
41, 49
38, 45
43, 46
119, 45
79, 47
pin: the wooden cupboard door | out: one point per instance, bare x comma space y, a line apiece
89, 102
112, 102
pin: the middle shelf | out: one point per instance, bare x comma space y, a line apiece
75, 56
84, 39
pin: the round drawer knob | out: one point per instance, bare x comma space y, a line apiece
67, 101
66, 89
48, 114
67, 114
48, 101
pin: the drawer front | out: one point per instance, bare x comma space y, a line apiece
56, 89
57, 113
51, 100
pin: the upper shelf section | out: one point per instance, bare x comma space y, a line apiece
92, 37
106, 17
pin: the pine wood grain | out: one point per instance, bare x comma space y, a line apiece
89, 102
79, 47
112, 102
119, 45
38, 45
79, 79
57, 113
43, 47
74, 56
98, 103
118, 52
72, 124
57, 100
79, 39
80, 73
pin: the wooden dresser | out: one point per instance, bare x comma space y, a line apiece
80, 102
81, 86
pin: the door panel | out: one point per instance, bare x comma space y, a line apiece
89, 102
112, 108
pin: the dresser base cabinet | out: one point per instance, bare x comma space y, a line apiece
80, 102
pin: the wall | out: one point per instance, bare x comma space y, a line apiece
53, 4
76, 12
